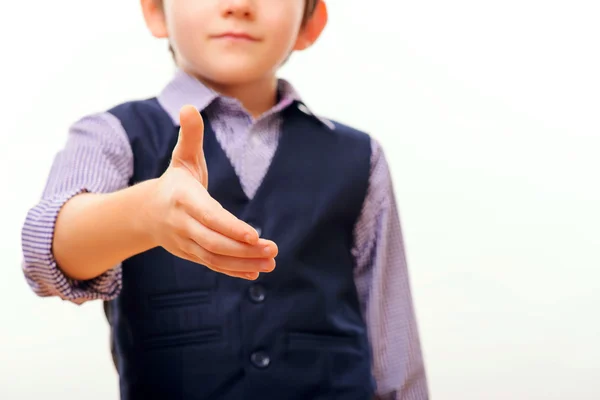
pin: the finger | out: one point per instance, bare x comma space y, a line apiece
189, 148
191, 134
213, 216
218, 243
227, 263
235, 274
251, 276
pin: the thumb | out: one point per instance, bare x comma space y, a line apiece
188, 151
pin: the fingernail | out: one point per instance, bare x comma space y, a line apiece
251, 276
267, 250
248, 238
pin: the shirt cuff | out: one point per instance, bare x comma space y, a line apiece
40, 268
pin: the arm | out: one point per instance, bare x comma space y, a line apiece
383, 285
118, 231
97, 158
87, 234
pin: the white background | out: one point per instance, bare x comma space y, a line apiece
489, 115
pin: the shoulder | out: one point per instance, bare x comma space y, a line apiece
146, 116
378, 163
345, 130
349, 133
101, 129
145, 109
138, 105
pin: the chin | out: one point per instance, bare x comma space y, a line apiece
234, 72
234, 77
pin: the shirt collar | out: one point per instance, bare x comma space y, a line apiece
185, 89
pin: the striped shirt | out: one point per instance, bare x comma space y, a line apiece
98, 158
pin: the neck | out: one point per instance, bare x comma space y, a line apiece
257, 97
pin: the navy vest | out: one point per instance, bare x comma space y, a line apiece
182, 331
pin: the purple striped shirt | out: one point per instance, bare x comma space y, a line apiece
98, 158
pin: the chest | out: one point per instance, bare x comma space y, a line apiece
249, 145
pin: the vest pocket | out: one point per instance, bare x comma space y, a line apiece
338, 365
192, 338
179, 299
299, 341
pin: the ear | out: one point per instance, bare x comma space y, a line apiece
313, 28
155, 18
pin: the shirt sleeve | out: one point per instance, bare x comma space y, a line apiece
97, 158
382, 282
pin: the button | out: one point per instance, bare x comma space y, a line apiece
260, 359
257, 293
257, 229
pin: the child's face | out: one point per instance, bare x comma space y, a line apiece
233, 41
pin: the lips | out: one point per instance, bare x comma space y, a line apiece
236, 36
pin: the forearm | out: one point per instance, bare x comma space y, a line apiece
95, 232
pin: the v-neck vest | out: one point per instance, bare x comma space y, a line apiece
182, 331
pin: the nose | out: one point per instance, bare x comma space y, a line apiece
238, 8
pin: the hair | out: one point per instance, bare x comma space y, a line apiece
309, 9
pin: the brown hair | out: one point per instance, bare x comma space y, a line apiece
309, 9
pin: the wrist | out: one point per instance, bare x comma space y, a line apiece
141, 214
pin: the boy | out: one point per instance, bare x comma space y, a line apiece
162, 208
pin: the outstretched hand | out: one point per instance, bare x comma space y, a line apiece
192, 225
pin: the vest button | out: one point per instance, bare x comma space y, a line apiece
260, 359
257, 293
257, 229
